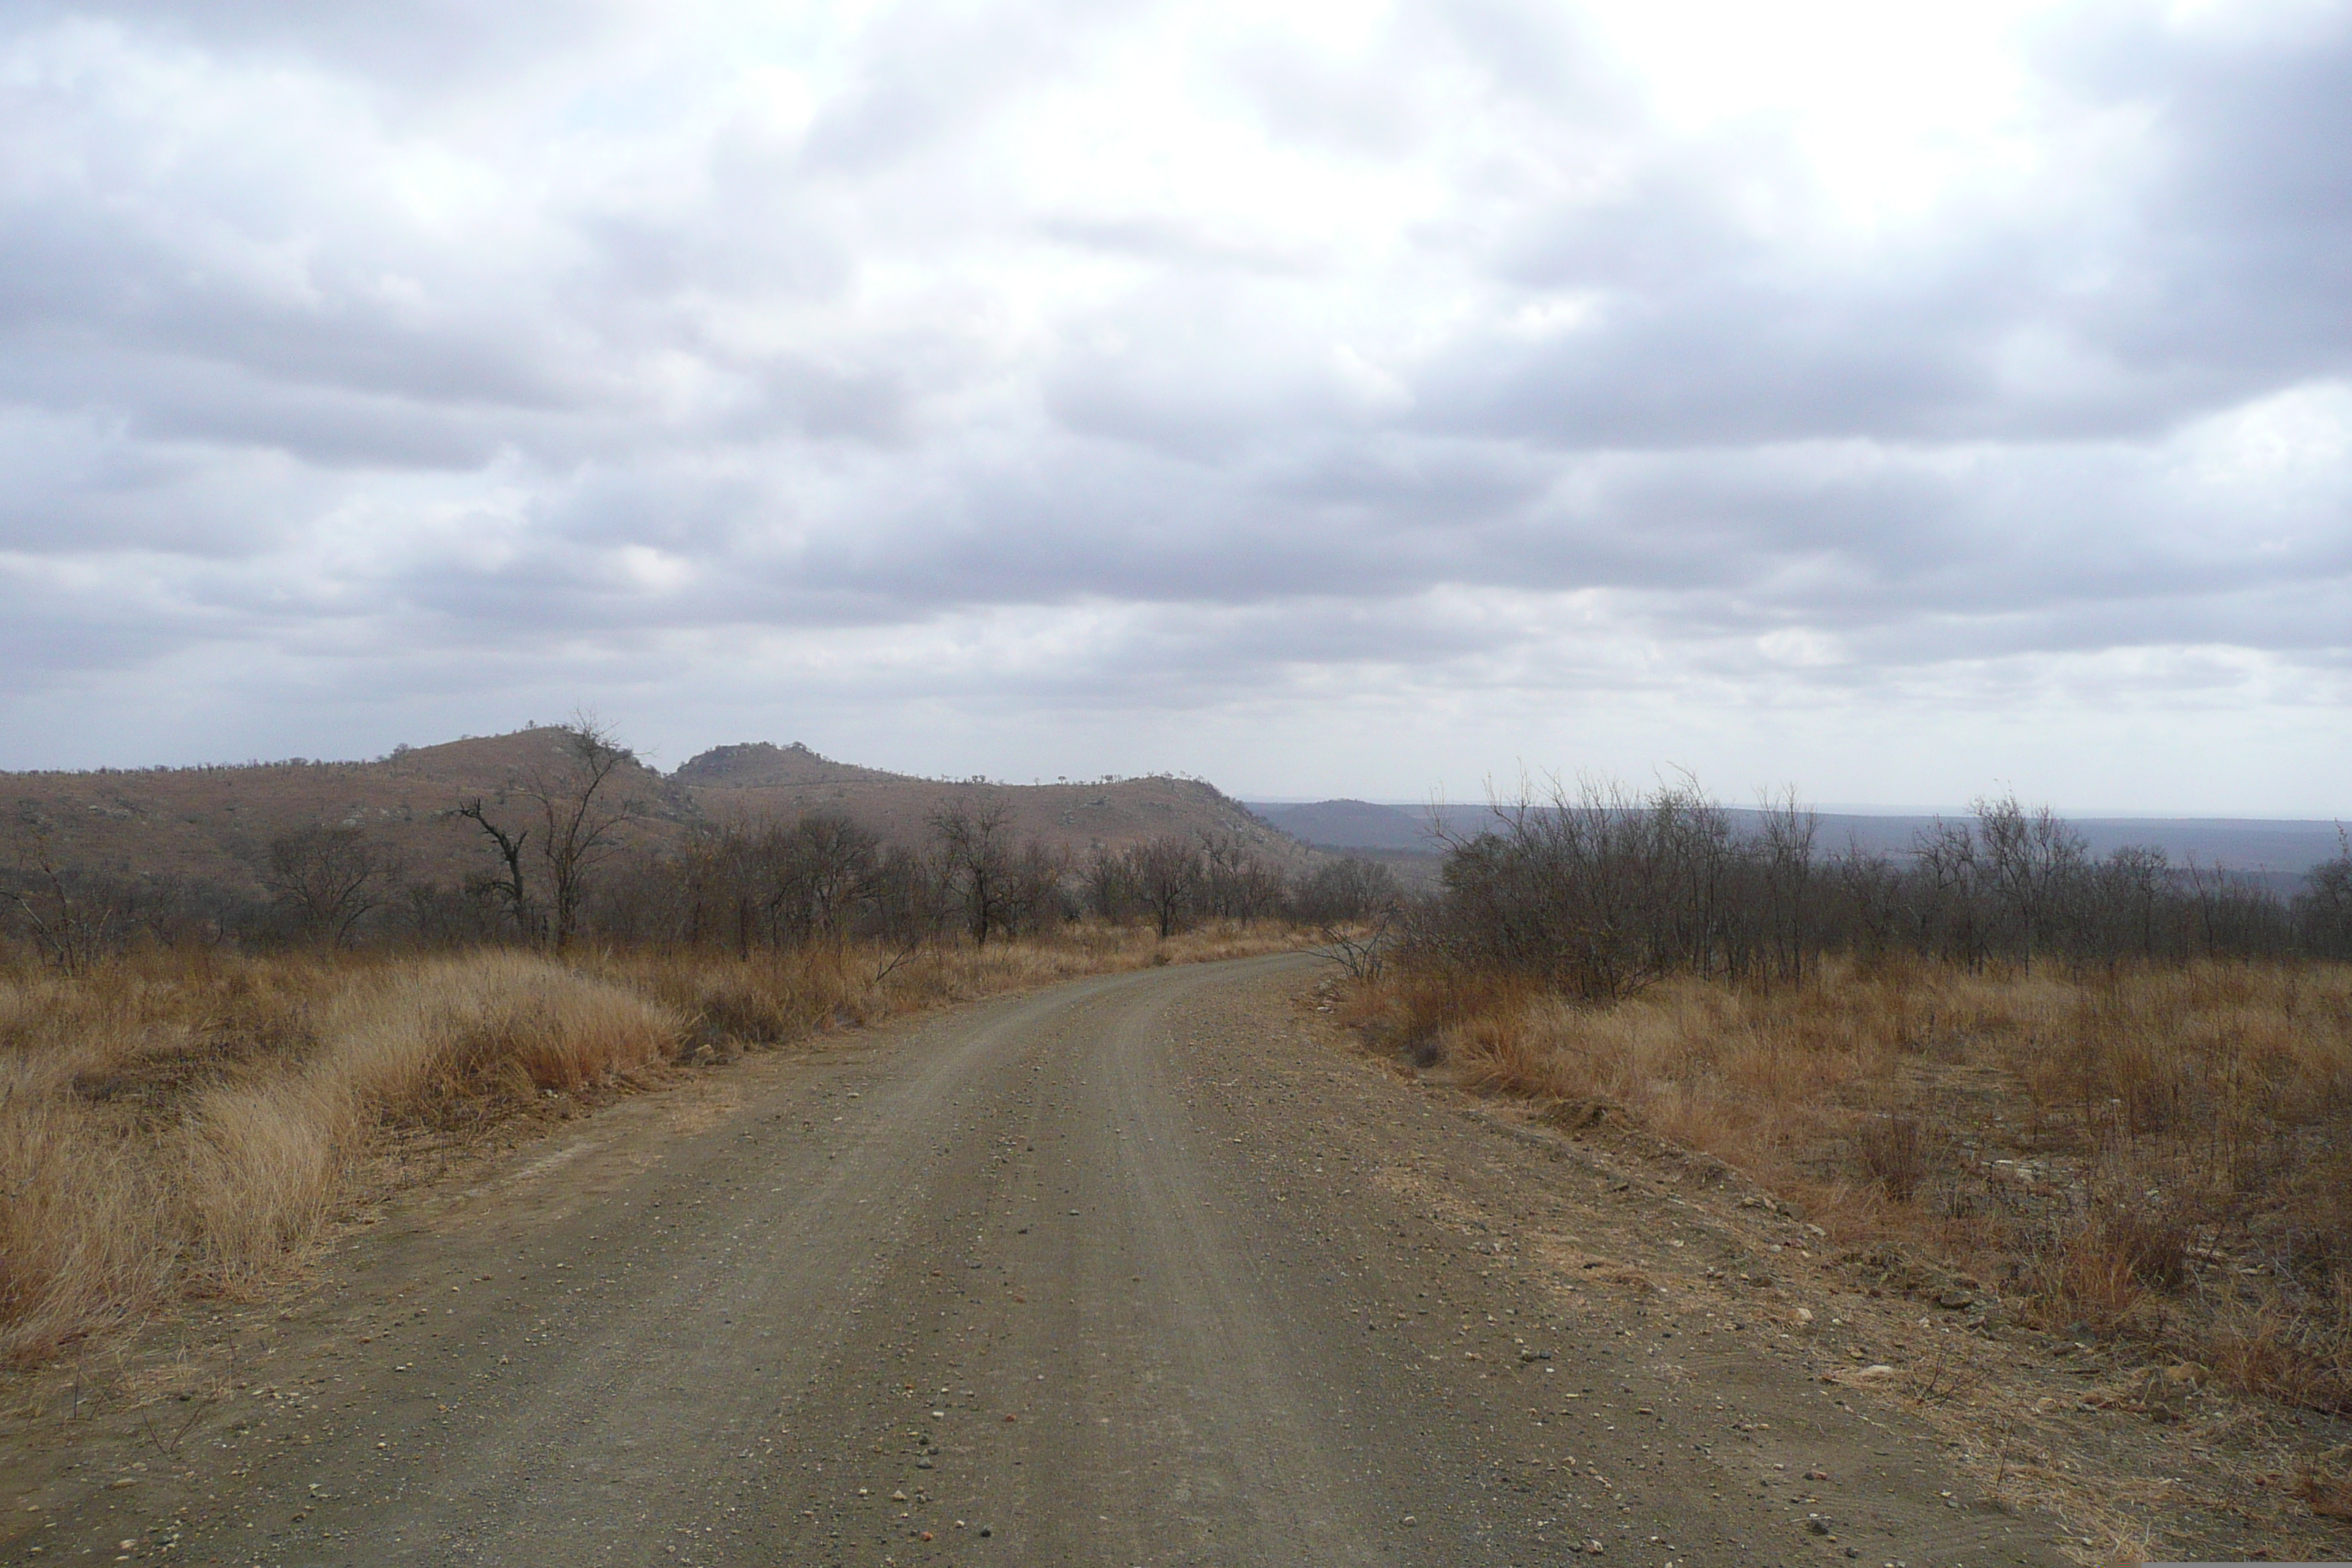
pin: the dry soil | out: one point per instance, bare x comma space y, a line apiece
1140, 1269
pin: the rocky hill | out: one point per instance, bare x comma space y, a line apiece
213, 825
747, 783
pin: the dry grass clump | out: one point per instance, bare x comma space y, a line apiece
2163, 1155
83, 1207
460, 1038
170, 1130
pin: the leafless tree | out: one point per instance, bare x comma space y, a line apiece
328, 880
1107, 890
1339, 892
2034, 858
1600, 892
70, 923
821, 871
581, 810
1235, 884
2134, 880
509, 888
2324, 909
1786, 864
977, 861
1948, 916
1167, 873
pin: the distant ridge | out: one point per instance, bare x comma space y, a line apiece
2276, 848
1352, 825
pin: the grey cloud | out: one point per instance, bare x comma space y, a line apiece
429, 46
1538, 53
2235, 254
2217, 266
931, 70
1194, 369
1582, 419
1391, 476
1302, 97
1172, 242
50, 638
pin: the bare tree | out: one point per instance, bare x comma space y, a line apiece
72, 923
581, 814
2324, 909
1786, 853
2134, 881
1167, 873
1339, 892
1235, 884
2034, 857
822, 869
977, 861
328, 880
1108, 891
510, 889
1947, 917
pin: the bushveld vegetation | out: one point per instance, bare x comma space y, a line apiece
2116, 1093
565, 855
186, 1102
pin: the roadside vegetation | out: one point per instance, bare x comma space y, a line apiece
186, 1103
2114, 1095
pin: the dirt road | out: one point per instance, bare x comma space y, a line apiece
1130, 1271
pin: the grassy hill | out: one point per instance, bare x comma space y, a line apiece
214, 823
741, 784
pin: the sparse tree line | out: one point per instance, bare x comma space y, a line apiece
1600, 892
825, 878
560, 862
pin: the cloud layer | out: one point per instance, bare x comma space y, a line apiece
1363, 400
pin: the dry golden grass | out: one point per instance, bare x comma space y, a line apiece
170, 1126
2159, 1154
187, 1124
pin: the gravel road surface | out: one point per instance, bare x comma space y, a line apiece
1140, 1269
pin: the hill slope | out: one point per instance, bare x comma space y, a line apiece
747, 783
213, 825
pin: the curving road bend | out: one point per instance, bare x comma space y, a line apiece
1130, 1271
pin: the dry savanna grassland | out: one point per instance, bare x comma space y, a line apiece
179, 1122
2153, 1160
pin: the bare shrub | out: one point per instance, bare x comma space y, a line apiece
2146, 1242
328, 880
1893, 1150
1344, 891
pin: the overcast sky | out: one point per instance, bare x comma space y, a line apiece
1897, 401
